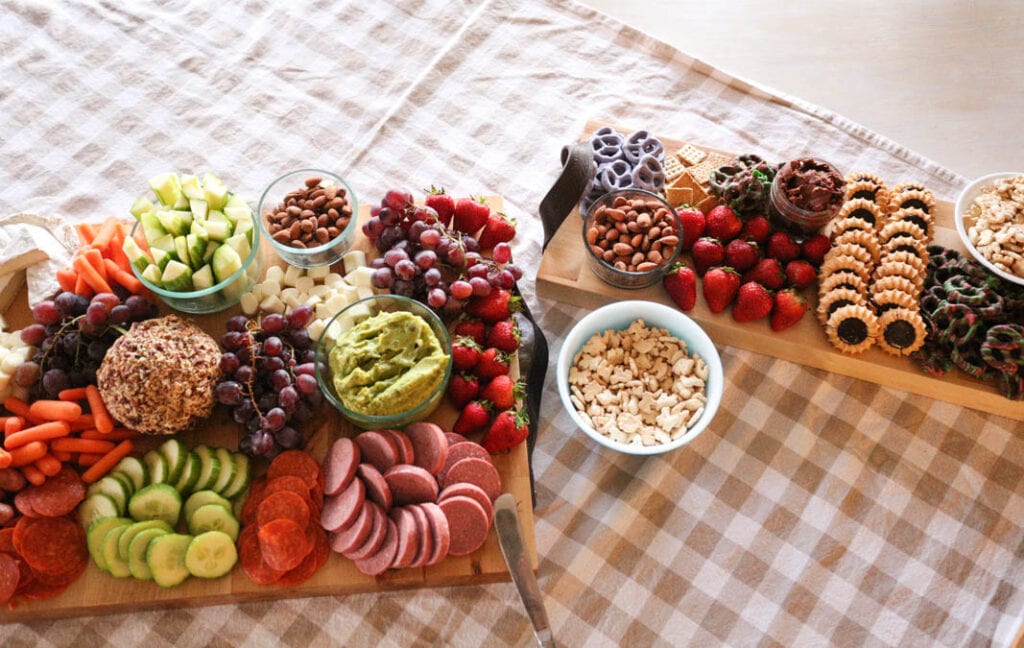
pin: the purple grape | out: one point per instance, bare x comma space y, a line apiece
275, 419
461, 289
430, 238
273, 323
69, 342
314, 398
397, 200
228, 393
272, 364
46, 312
432, 277
82, 304
243, 412
481, 287
65, 303
416, 230
244, 355
406, 269
120, 314
96, 349
504, 279
300, 317
388, 218
502, 253
288, 398
33, 334
27, 374
288, 437
272, 346
306, 368
305, 383
229, 363
517, 272
457, 255
262, 443
436, 298
470, 244
392, 257
403, 288
378, 263
280, 379
243, 374
382, 278
267, 401
426, 259
300, 339
453, 308
234, 340
373, 227
302, 413
139, 307
55, 381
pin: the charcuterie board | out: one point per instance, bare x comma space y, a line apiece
98, 593
564, 275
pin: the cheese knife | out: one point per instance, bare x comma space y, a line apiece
510, 537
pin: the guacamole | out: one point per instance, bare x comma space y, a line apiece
387, 364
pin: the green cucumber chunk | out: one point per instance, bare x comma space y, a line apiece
241, 479
209, 467
211, 555
202, 498
156, 502
226, 261
134, 470
203, 277
213, 517
137, 552
165, 557
113, 488
115, 564
97, 532
142, 205
126, 538
227, 469
177, 277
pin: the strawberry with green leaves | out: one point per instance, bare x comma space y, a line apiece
499, 228
442, 203
504, 335
493, 363
503, 392
788, 309
472, 327
465, 353
509, 429
470, 215
473, 418
462, 388
720, 287
493, 307
753, 301
681, 285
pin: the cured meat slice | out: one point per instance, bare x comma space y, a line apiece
58, 495
354, 535
251, 557
408, 537
340, 465
297, 463
379, 561
252, 501
473, 492
283, 504
467, 524
374, 539
461, 451
341, 510
10, 574
377, 488
411, 484
426, 548
478, 472
313, 561
406, 452
283, 543
430, 445
454, 437
378, 448
53, 545
440, 532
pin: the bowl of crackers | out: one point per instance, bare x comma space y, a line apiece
989, 217
639, 377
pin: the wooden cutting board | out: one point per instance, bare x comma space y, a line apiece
565, 276
99, 593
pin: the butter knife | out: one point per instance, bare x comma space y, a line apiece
510, 537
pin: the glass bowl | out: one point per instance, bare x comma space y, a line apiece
620, 277
218, 296
328, 253
357, 312
792, 215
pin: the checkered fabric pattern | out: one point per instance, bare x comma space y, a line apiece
816, 509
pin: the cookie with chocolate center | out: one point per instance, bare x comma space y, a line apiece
852, 329
901, 331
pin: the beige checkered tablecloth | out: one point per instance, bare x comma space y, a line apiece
816, 510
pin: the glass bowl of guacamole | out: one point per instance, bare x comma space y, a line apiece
384, 361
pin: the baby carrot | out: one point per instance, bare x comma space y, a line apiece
81, 287
55, 410
72, 394
20, 408
86, 233
41, 432
63, 456
33, 475
105, 234
13, 424
70, 444
5, 459
95, 259
117, 434
88, 458
66, 277
108, 461
126, 279
27, 453
90, 274
116, 253
140, 239
48, 465
102, 418
83, 422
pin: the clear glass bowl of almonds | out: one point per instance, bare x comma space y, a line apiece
632, 236
309, 216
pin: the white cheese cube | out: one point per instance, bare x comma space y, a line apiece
315, 328
337, 302
269, 288
257, 292
320, 291
338, 327
249, 304
333, 280
304, 284
5, 380
361, 276
324, 312
289, 292
364, 291
313, 300
353, 259
318, 273
292, 274
359, 312
10, 361
291, 300
274, 273
351, 293
272, 304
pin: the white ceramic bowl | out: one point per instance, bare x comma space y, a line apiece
963, 204
619, 316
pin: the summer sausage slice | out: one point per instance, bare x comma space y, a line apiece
342, 509
478, 472
430, 445
377, 448
11, 480
354, 535
440, 532
340, 465
406, 452
454, 437
467, 523
473, 492
411, 484
377, 488
426, 548
375, 539
461, 451
408, 537
380, 560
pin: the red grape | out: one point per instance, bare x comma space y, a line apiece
436, 298
461, 289
300, 316
502, 253
46, 313
33, 334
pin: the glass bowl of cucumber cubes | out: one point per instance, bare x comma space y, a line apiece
197, 245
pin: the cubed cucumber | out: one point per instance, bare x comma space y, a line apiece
244, 226
152, 228
156, 502
152, 274
164, 242
203, 277
181, 250
192, 189
238, 213
202, 498
189, 474
113, 488
115, 565
138, 257
218, 230
134, 470
213, 517
200, 210
97, 532
126, 538
234, 200
240, 243
177, 277
216, 192
165, 557
160, 257
175, 221
137, 550
142, 205
211, 555
156, 467
97, 507
167, 187
241, 479
209, 467
226, 261
176, 455
227, 470
196, 249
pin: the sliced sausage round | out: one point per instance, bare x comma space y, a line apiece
467, 524
340, 465
377, 448
354, 535
478, 472
375, 539
454, 437
342, 509
411, 484
471, 491
379, 561
408, 536
377, 488
426, 548
440, 532
461, 451
430, 445
406, 452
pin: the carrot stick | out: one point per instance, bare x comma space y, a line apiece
86, 232
139, 235
126, 279
88, 459
66, 277
63, 456
108, 461
116, 253
72, 394
33, 475
104, 234
70, 444
95, 258
19, 407
104, 422
90, 274
41, 432
117, 434
48, 464
13, 424
5, 459
83, 422
82, 288
27, 453
55, 410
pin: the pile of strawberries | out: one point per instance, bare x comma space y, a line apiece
485, 340
746, 265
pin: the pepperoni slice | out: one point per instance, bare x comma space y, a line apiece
62, 580
36, 590
59, 495
293, 484
6, 540
252, 501
10, 575
283, 543
251, 557
283, 505
53, 545
297, 463
313, 561
20, 527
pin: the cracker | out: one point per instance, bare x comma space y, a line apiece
690, 154
701, 173
677, 196
709, 203
672, 168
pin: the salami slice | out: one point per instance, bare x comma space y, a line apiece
341, 510
7, 540
473, 492
379, 561
59, 495
454, 437
408, 537
252, 501
251, 557
426, 548
467, 524
340, 465
10, 574
54, 545
354, 535
378, 448
313, 561
406, 452
477, 472
377, 488
297, 463
289, 483
23, 502
439, 530
430, 444
461, 451
63, 579
11, 480
375, 539
283, 543
283, 504
411, 484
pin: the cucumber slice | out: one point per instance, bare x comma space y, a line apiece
156, 467
213, 517
165, 557
97, 507
113, 488
216, 192
97, 532
142, 205
203, 277
167, 187
211, 555
227, 469
126, 481
203, 498
241, 479
134, 470
137, 553
176, 455
152, 274
177, 277
189, 474
209, 467
156, 502
115, 565
126, 538
226, 261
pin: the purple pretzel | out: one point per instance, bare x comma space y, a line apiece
642, 143
616, 175
607, 145
648, 174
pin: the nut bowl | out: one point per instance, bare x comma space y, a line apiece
316, 253
660, 252
619, 316
364, 367
963, 220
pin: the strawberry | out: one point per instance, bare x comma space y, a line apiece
768, 273
502, 392
473, 328
499, 228
694, 224
442, 203
741, 255
470, 215
814, 249
720, 286
509, 429
753, 301
756, 229
493, 363
463, 388
800, 274
504, 335
707, 252
723, 223
789, 307
782, 247
473, 418
681, 285
465, 353
493, 307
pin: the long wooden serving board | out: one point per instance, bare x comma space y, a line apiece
99, 593
564, 275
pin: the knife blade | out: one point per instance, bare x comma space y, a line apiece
510, 537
